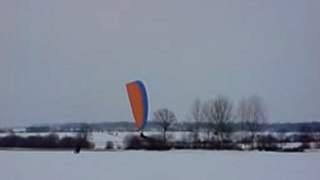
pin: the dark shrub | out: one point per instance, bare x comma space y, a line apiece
52, 141
49, 141
34, 142
156, 142
304, 146
292, 150
68, 142
306, 138
132, 142
272, 147
182, 145
11, 141
109, 145
148, 143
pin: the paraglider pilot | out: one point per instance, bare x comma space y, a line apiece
77, 148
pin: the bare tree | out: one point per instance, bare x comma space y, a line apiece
197, 117
164, 118
208, 115
222, 117
84, 132
218, 113
252, 114
83, 137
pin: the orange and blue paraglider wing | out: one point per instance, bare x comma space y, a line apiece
139, 103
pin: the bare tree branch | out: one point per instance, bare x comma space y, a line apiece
218, 114
252, 114
197, 117
165, 118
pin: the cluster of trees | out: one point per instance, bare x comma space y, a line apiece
217, 118
301, 127
49, 141
155, 142
266, 142
218, 115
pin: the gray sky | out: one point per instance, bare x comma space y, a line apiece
68, 61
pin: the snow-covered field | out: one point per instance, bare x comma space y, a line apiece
168, 165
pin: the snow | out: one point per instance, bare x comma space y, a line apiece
167, 165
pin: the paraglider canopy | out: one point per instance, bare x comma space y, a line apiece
138, 99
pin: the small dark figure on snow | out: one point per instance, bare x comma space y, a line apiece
77, 149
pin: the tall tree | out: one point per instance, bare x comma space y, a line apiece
164, 118
252, 114
218, 113
222, 117
208, 115
197, 117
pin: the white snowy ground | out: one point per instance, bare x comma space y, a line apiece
168, 165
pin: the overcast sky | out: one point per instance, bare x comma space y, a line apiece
68, 61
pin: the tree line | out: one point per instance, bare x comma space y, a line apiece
52, 140
217, 118
218, 114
